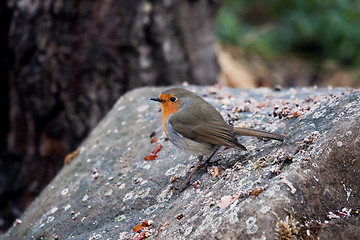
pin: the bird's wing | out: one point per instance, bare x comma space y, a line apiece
214, 132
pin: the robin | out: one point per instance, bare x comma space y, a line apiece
196, 127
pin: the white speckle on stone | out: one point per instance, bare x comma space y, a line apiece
164, 196
88, 160
123, 123
225, 101
67, 207
263, 237
128, 196
50, 219
314, 165
120, 218
145, 193
215, 225
251, 227
86, 197
82, 149
115, 130
265, 209
65, 191
96, 236
204, 225
339, 144
328, 150
170, 171
188, 230
277, 188
186, 195
316, 179
348, 192
147, 166
208, 195
286, 199
151, 209
121, 108
53, 210
174, 170
122, 186
142, 108
319, 114
289, 184
348, 133
233, 218
108, 193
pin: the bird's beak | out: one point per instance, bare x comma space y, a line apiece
156, 99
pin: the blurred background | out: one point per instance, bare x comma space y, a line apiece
292, 43
63, 64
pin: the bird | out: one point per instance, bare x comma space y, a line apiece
196, 127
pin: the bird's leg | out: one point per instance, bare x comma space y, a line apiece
193, 171
209, 158
187, 183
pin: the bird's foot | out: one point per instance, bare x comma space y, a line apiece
207, 163
182, 187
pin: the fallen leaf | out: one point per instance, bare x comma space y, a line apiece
260, 105
227, 201
157, 149
150, 157
71, 156
143, 224
153, 140
296, 114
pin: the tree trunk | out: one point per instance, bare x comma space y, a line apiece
72, 61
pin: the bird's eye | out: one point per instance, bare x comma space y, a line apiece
172, 99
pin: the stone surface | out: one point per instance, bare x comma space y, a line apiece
312, 178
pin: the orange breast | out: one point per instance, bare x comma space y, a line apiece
167, 108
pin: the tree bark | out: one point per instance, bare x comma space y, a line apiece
72, 61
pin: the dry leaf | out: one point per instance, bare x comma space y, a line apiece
296, 114
156, 149
150, 157
227, 201
71, 156
143, 224
260, 105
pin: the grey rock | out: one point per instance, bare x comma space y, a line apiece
309, 183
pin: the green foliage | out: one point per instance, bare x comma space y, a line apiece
326, 29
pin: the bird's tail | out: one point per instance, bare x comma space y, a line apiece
257, 133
